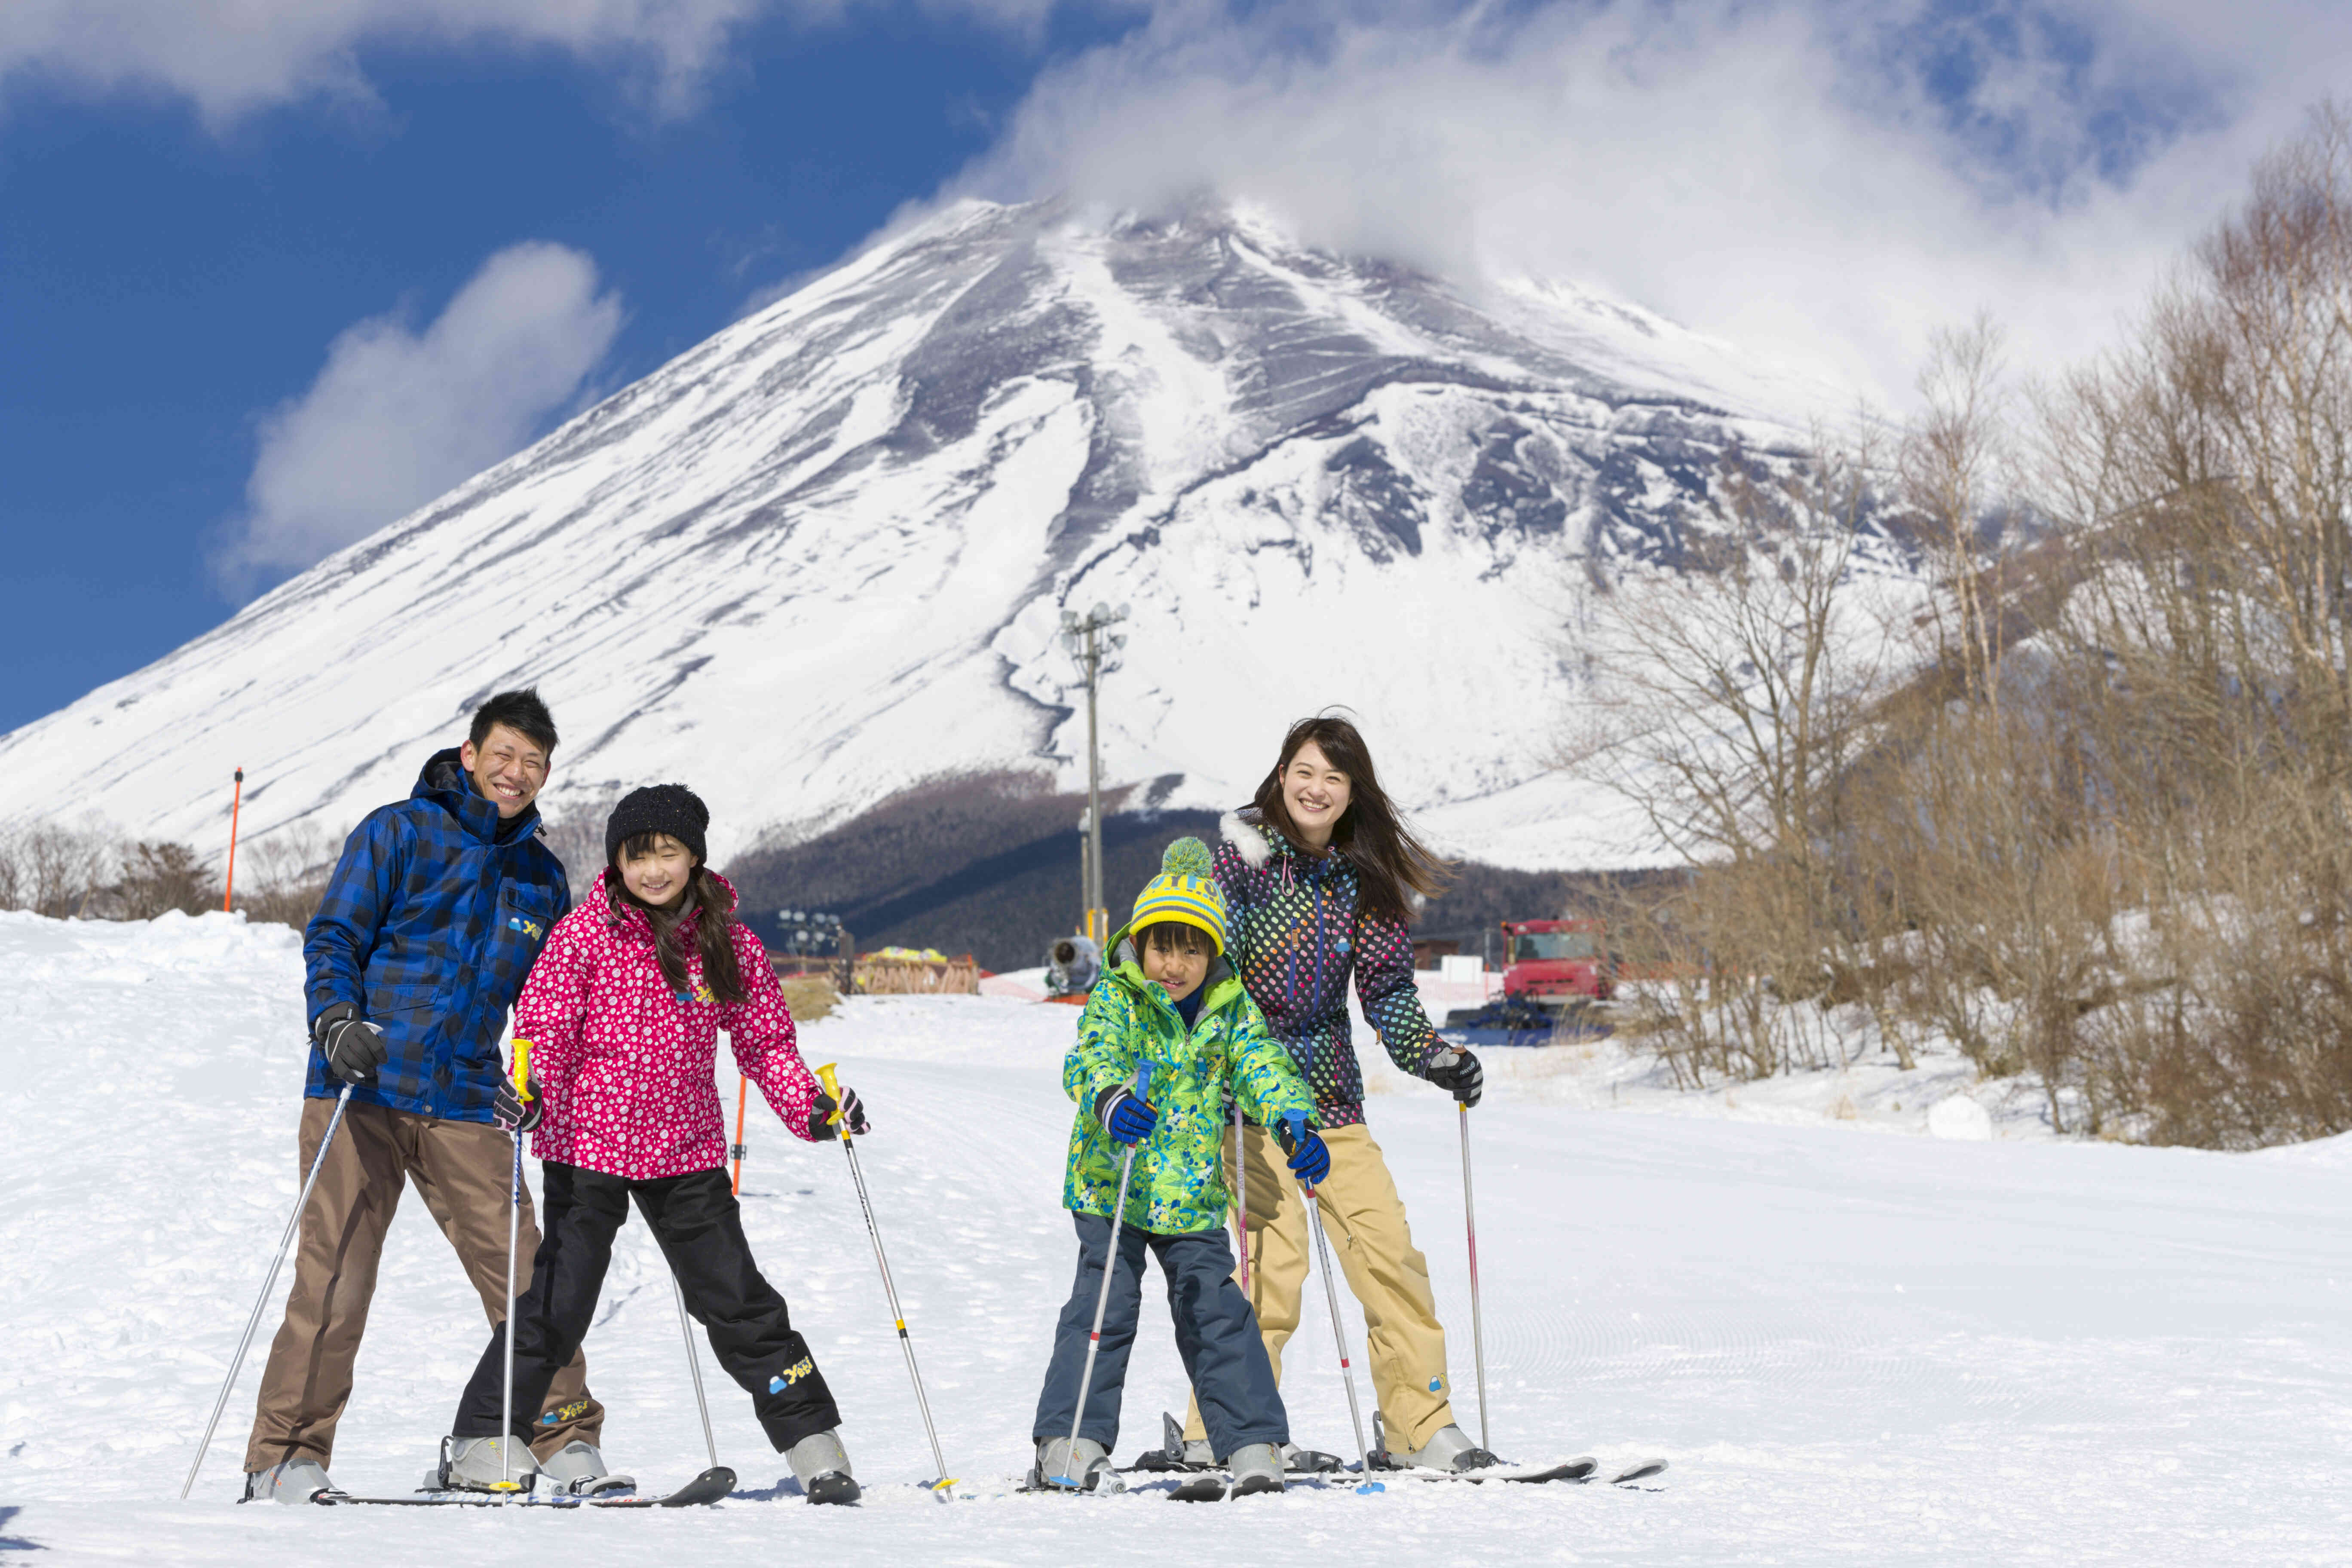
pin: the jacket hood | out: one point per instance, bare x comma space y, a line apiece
444, 780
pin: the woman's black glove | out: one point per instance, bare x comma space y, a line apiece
1458, 1072
823, 1129
353, 1048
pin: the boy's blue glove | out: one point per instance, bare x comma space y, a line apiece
1126, 1115
1310, 1159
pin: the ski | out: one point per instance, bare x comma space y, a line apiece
1641, 1472
708, 1488
1574, 1471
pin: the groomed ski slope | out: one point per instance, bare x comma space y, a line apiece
1853, 1348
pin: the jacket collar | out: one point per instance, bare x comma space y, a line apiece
1218, 987
1261, 843
444, 780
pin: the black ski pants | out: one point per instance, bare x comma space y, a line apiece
1216, 1337
699, 1226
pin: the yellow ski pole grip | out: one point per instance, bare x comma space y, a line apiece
827, 1075
522, 1068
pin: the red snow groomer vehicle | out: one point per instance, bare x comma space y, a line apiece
1557, 963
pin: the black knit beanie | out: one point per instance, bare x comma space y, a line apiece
668, 808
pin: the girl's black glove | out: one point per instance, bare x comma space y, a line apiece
519, 1113
823, 1129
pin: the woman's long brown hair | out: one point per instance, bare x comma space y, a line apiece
1389, 857
714, 933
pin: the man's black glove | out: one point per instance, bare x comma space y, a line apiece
353, 1048
823, 1129
519, 1113
1458, 1072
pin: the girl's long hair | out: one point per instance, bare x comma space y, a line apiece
1390, 860
714, 933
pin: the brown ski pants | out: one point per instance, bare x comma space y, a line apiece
463, 1170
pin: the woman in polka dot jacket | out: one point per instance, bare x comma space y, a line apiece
623, 1010
1317, 873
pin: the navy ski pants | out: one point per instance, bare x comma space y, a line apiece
699, 1226
1216, 1335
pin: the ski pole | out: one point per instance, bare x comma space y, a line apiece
742, 1098
277, 1262
694, 1365
1241, 1189
1477, 1319
1102, 1296
1298, 1120
827, 1075
521, 1068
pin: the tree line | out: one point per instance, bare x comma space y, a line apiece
2028, 724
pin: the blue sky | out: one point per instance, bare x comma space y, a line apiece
261, 290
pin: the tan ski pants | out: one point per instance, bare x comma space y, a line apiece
1364, 1220
463, 1170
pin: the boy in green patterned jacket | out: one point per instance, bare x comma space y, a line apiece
1169, 1001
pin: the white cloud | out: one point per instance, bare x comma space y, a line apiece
1824, 180
397, 416
229, 58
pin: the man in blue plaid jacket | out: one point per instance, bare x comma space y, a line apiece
430, 923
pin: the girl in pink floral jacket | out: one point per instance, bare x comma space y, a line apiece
623, 1011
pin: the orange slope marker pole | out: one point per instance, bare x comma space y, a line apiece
235, 804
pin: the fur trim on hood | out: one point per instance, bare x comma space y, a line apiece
1246, 837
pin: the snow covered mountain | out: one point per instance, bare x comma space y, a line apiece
822, 556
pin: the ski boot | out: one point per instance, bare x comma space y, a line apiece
1449, 1449
289, 1482
1174, 1453
821, 1465
481, 1465
1256, 1467
578, 1468
1086, 1467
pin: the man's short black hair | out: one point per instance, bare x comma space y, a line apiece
520, 711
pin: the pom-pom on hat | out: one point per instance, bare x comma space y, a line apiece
1185, 892
670, 808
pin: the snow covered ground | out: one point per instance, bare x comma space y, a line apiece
1853, 1349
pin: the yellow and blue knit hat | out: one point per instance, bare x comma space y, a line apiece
1185, 892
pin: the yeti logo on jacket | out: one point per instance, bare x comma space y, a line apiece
791, 1375
530, 929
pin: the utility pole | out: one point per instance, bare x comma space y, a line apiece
1090, 639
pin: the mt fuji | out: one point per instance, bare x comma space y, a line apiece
823, 557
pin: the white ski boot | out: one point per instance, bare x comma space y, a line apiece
821, 1465
481, 1465
294, 1480
1256, 1467
1449, 1449
1059, 1464
579, 1469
